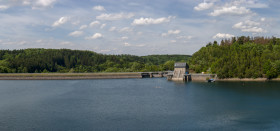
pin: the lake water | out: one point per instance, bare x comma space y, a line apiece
138, 104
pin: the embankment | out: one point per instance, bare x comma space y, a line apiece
243, 79
66, 76
248, 79
202, 77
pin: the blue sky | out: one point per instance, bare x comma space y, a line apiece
138, 27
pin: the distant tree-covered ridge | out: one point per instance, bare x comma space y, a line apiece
66, 60
239, 57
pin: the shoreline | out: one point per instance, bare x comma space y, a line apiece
86, 76
248, 79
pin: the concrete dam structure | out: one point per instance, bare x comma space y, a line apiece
181, 73
180, 69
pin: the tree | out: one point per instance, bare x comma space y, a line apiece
245, 58
136, 66
169, 65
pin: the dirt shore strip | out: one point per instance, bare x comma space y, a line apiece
248, 79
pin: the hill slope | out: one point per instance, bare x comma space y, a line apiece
240, 57
65, 60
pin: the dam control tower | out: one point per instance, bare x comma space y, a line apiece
180, 71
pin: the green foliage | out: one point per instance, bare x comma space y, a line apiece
241, 57
169, 65
4, 69
65, 60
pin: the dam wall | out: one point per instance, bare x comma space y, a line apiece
202, 77
73, 76
192, 77
67, 76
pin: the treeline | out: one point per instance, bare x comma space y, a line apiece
66, 60
239, 57
256, 40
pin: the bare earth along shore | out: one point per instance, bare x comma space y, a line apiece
248, 79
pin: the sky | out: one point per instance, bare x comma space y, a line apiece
137, 27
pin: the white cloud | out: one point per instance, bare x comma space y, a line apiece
127, 44
67, 43
26, 2
4, 7
173, 41
18, 43
104, 51
263, 19
22, 43
174, 31
139, 33
232, 10
95, 36
99, 8
60, 21
164, 34
249, 26
76, 33
113, 28
44, 3
254, 30
250, 3
124, 38
102, 26
117, 16
203, 6
76, 22
149, 21
125, 29
185, 37
222, 36
39, 41
83, 27
246, 24
94, 23
139, 45
239, 25
36, 4
171, 32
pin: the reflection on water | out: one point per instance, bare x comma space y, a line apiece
138, 104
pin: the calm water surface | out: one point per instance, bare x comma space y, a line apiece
138, 104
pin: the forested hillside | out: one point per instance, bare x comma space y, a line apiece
65, 60
240, 57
